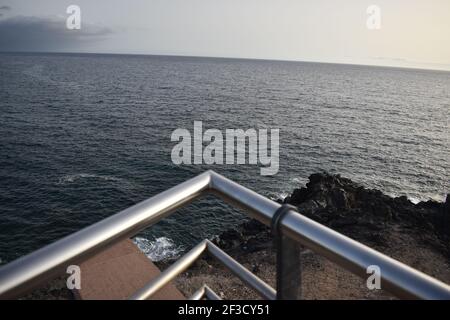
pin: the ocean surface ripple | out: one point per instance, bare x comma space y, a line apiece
85, 136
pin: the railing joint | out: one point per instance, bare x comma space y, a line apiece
288, 266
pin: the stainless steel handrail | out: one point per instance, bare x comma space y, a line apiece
36, 268
170, 273
263, 289
205, 291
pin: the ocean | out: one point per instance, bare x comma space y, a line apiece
83, 136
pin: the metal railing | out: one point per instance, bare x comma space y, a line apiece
205, 292
30, 271
264, 290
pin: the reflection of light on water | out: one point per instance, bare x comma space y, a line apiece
159, 249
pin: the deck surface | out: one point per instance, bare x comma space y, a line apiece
119, 271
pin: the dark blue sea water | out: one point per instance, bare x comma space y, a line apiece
84, 136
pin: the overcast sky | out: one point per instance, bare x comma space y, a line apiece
414, 33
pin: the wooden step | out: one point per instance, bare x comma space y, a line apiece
118, 272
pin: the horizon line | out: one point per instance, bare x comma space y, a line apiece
225, 57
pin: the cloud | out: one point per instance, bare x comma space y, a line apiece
4, 8
24, 33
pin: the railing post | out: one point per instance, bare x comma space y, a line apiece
288, 259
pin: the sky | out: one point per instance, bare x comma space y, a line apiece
412, 33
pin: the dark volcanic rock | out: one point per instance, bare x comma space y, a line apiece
250, 236
363, 214
359, 212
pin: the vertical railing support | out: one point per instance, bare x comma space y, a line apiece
288, 259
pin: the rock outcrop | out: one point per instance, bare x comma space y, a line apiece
366, 215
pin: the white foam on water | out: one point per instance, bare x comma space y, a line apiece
159, 249
298, 181
434, 197
279, 196
416, 199
74, 177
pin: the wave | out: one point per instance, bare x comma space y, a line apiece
413, 198
159, 249
279, 196
416, 199
434, 197
300, 181
74, 177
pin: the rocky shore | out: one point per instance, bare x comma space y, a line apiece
416, 234
362, 214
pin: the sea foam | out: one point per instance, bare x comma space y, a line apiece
158, 249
